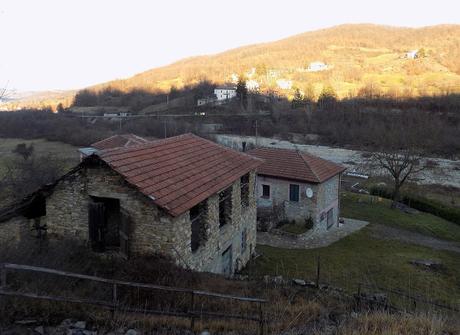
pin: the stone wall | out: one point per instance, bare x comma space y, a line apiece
67, 210
208, 257
15, 231
328, 198
325, 196
151, 228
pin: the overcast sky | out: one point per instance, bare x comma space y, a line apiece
64, 44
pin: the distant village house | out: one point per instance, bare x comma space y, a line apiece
317, 66
284, 84
225, 92
412, 54
252, 85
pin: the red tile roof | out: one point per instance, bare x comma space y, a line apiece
179, 172
117, 141
293, 164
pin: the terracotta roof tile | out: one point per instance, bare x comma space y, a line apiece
179, 172
294, 164
117, 141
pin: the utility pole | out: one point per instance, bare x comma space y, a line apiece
257, 135
164, 123
120, 117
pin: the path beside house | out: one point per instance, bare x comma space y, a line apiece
389, 233
310, 240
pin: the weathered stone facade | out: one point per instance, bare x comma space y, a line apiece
208, 257
325, 198
151, 229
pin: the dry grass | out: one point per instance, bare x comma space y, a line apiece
288, 308
379, 323
291, 310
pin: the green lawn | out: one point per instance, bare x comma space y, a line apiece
360, 207
361, 257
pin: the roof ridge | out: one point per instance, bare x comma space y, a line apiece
307, 164
171, 184
141, 145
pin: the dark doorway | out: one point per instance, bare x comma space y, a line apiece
227, 261
330, 218
104, 220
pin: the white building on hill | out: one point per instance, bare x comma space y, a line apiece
252, 85
317, 66
412, 54
225, 92
284, 84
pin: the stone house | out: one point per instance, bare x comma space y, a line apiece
184, 196
298, 186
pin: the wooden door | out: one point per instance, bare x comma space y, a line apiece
96, 225
125, 226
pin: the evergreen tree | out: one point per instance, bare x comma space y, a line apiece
298, 100
327, 98
242, 91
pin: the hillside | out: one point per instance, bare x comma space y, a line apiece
359, 58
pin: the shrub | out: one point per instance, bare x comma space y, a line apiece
422, 204
309, 223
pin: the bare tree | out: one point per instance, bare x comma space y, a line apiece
23, 150
402, 165
4, 92
398, 154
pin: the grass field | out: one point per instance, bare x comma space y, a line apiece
447, 195
64, 154
360, 207
63, 151
362, 258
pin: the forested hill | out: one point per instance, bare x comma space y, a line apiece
359, 58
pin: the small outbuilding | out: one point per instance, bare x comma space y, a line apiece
298, 186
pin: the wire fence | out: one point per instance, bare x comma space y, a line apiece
129, 297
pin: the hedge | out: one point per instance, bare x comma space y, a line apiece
422, 204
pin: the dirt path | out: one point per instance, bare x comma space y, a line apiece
311, 240
390, 233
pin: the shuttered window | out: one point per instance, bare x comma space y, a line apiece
266, 191
294, 192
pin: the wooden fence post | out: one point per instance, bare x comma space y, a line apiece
359, 296
114, 295
2, 285
318, 267
2, 276
261, 319
192, 311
